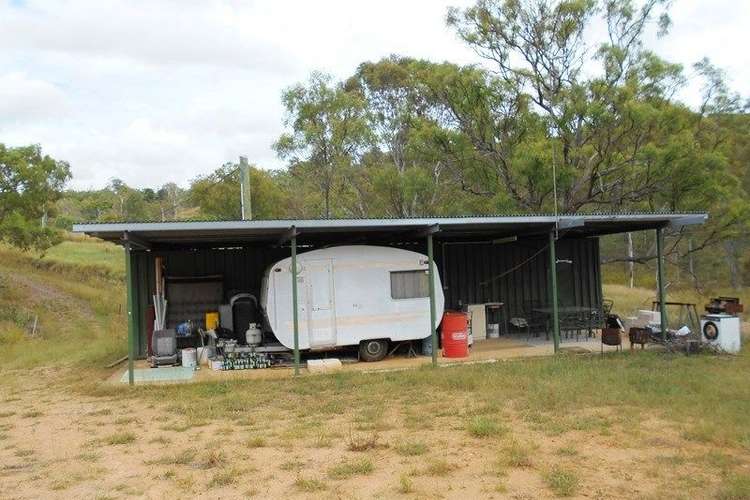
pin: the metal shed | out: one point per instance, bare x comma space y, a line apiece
479, 258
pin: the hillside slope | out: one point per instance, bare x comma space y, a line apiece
79, 311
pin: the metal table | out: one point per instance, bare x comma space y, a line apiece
562, 311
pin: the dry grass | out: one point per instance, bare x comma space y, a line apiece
309, 485
119, 438
483, 427
256, 442
364, 443
405, 485
224, 477
350, 468
563, 482
516, 454
411, 448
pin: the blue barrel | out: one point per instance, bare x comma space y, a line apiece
427, 346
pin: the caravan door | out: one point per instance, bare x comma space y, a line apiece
321, 323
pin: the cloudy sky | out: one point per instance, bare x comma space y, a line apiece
164, 90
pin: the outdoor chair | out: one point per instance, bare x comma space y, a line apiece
164, 348
638, 335
607, 305
580, 322
595, 321
537, 321
611, 337
521, 324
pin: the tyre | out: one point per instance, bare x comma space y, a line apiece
373, 350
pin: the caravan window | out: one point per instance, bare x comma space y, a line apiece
409, 284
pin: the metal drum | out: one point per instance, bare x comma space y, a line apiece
455, 335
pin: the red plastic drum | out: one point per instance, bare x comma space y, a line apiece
455, 334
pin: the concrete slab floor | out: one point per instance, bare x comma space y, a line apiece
489, 350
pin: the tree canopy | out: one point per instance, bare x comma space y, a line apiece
30, 184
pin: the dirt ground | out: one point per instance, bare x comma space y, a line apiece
57, 443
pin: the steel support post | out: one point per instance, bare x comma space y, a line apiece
660, 278
553, 291
431, 278
131, 311
295, 318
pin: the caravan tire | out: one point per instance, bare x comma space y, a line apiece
373, 350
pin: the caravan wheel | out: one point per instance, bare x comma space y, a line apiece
373, 350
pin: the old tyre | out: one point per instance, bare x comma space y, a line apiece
373, 350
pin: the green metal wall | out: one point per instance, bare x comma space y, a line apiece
471, 273
517, 272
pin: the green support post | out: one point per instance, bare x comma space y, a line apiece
431, 278
295, 318
553, 291
660, 284
131, 313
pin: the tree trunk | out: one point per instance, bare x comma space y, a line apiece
731, 258
691, 266
631, 264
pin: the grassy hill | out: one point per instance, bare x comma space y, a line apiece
77, 302
86, 251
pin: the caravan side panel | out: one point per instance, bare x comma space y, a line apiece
351, 293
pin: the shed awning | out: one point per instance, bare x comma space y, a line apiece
186, 234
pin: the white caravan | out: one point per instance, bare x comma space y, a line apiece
352, 295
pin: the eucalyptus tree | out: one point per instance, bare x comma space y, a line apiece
30, 184
406, 177
327, 135
600, 106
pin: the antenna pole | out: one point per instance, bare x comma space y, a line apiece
245, 201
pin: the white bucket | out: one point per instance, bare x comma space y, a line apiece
493, 330
205, 353
189, 357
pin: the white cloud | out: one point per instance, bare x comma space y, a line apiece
157, 33
165, 90
25, 99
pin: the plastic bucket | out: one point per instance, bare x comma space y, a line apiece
189, 357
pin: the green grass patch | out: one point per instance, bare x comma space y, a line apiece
256, 442
309, 485
439, 467
184, 457
89, 252
405, 485
62, 296
562, 482
119, 438
483, 427
411, 448
515, 454
351, 468
292, 465
568, 450
736, 487
224, 477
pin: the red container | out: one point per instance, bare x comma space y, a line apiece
455, 334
